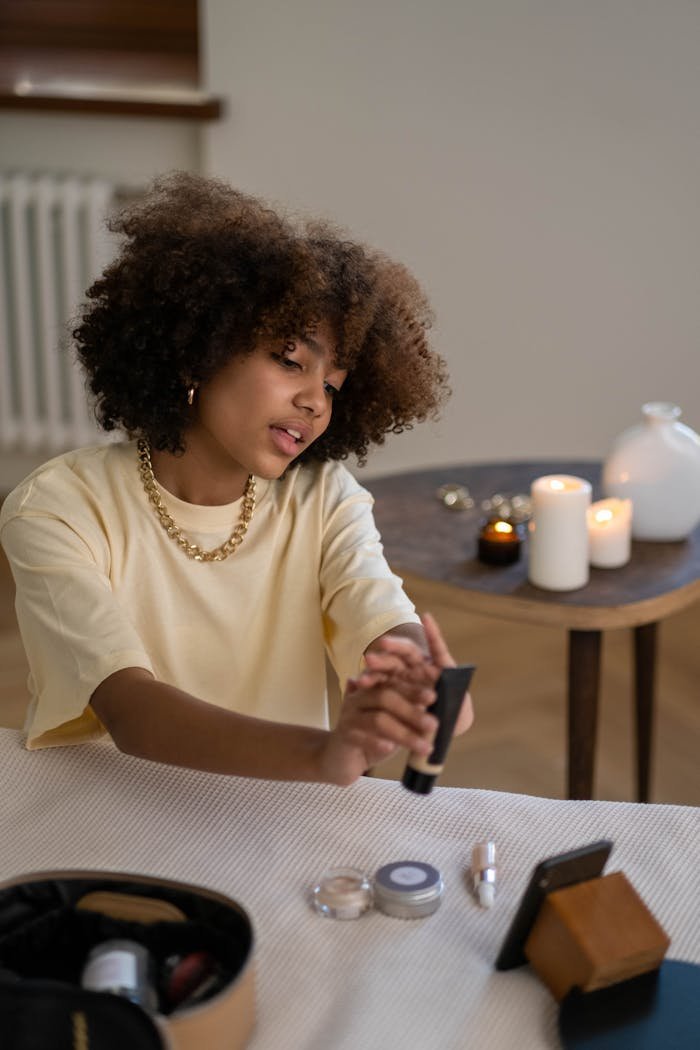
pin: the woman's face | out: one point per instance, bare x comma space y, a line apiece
261, 411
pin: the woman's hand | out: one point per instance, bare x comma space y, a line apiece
384, 708
394, 656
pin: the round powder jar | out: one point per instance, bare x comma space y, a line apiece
342, 893
408, 889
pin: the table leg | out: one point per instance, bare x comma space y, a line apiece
584, 674
644, 668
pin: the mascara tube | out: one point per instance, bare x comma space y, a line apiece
423, 770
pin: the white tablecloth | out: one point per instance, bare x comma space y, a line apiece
381, 982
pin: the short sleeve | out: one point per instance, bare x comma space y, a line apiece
74, 631
361, 597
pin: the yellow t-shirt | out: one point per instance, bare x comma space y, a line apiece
101, 587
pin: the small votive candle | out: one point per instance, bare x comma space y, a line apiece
499, 542
609, 533
558, 559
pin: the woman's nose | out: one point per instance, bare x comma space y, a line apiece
312, 395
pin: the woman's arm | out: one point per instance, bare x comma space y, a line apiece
152, 720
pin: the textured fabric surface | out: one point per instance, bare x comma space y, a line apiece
375, 982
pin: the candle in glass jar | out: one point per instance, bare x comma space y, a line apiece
609, 533
558, 559
499, 542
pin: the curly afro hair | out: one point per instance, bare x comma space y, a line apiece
205, 272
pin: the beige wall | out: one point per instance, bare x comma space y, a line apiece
129, 150
536, 162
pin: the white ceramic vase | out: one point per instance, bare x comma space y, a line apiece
656, 464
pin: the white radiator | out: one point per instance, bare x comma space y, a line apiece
53, 243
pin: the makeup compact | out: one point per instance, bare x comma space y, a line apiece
405, 889
408, 889
342, 893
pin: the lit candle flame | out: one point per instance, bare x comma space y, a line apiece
502, 526
604, 515
556, 484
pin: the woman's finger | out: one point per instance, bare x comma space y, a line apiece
404, 648
402, 701
465, 718
386, 662
380, 724
439, 652
391, 664
376, 686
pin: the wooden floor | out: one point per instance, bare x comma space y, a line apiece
518, 740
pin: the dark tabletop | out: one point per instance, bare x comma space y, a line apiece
425, 539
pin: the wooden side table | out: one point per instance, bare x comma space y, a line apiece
423, 540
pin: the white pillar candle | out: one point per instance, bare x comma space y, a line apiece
558, 557
609, 533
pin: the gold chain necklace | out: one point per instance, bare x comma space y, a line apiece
192, 550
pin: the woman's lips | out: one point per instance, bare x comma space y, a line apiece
285, 441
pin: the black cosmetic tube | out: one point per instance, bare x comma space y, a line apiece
422, 771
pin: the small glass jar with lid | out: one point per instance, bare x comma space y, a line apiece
342, 893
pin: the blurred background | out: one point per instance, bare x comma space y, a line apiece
535, 162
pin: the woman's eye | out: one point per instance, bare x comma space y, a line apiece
285, 361
331, 390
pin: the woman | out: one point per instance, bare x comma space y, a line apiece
180, 590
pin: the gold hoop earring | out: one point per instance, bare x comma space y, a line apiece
190, 394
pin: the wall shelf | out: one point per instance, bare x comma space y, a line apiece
108, 57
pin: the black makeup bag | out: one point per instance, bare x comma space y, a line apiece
48, 1015
51, 921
